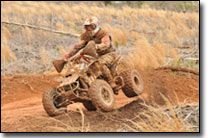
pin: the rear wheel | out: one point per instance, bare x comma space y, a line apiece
51, 102
133, 83
102, 95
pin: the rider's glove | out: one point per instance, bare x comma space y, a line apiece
66, 55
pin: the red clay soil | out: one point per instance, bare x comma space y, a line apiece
22, 111
177, 86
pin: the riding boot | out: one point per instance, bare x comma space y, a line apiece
107, 75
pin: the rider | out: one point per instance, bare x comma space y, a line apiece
102, 44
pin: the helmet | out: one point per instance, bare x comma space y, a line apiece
92, 20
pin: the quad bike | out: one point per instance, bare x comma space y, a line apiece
84, 82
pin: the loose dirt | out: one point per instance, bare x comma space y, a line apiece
22, 110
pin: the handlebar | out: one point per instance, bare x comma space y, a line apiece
76, 56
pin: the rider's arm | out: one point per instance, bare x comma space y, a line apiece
85, 37
105, 43
75, 48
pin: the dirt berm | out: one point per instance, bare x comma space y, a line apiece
22, 110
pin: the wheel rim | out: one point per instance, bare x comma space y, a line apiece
106, 95
56, 99
136, 81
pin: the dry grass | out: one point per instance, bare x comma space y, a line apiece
146, 55
174, 24
61, 50
155, 119
172, 53
65, 127
118, 34
6, 32
169, 29
44, 56
27, 34
6, 53
59, 26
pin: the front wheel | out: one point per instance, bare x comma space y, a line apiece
102, 95
51, 101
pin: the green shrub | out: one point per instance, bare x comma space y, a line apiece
139, 3
107, 3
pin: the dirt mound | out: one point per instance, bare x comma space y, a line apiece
21, 96
177, 86
15, 88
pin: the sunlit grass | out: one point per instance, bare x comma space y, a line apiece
6, 53
44, 56
167, 26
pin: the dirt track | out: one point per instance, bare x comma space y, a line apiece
22, 110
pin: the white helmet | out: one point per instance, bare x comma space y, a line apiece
93, 20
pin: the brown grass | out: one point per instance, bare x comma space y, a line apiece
154, 119
172, 52
27, 34
59, 26
118, 34
147, 56
174, 24
6, 32
170, 28
65, 127
6, 53
61, 50
44, 56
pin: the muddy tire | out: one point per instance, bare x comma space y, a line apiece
133, 83
48, 103
89, 106
102, 95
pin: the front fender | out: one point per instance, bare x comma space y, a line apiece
94, 68
70, 79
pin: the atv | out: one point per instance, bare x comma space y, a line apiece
83, 82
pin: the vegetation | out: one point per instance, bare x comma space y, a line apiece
185, 6
158, 33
